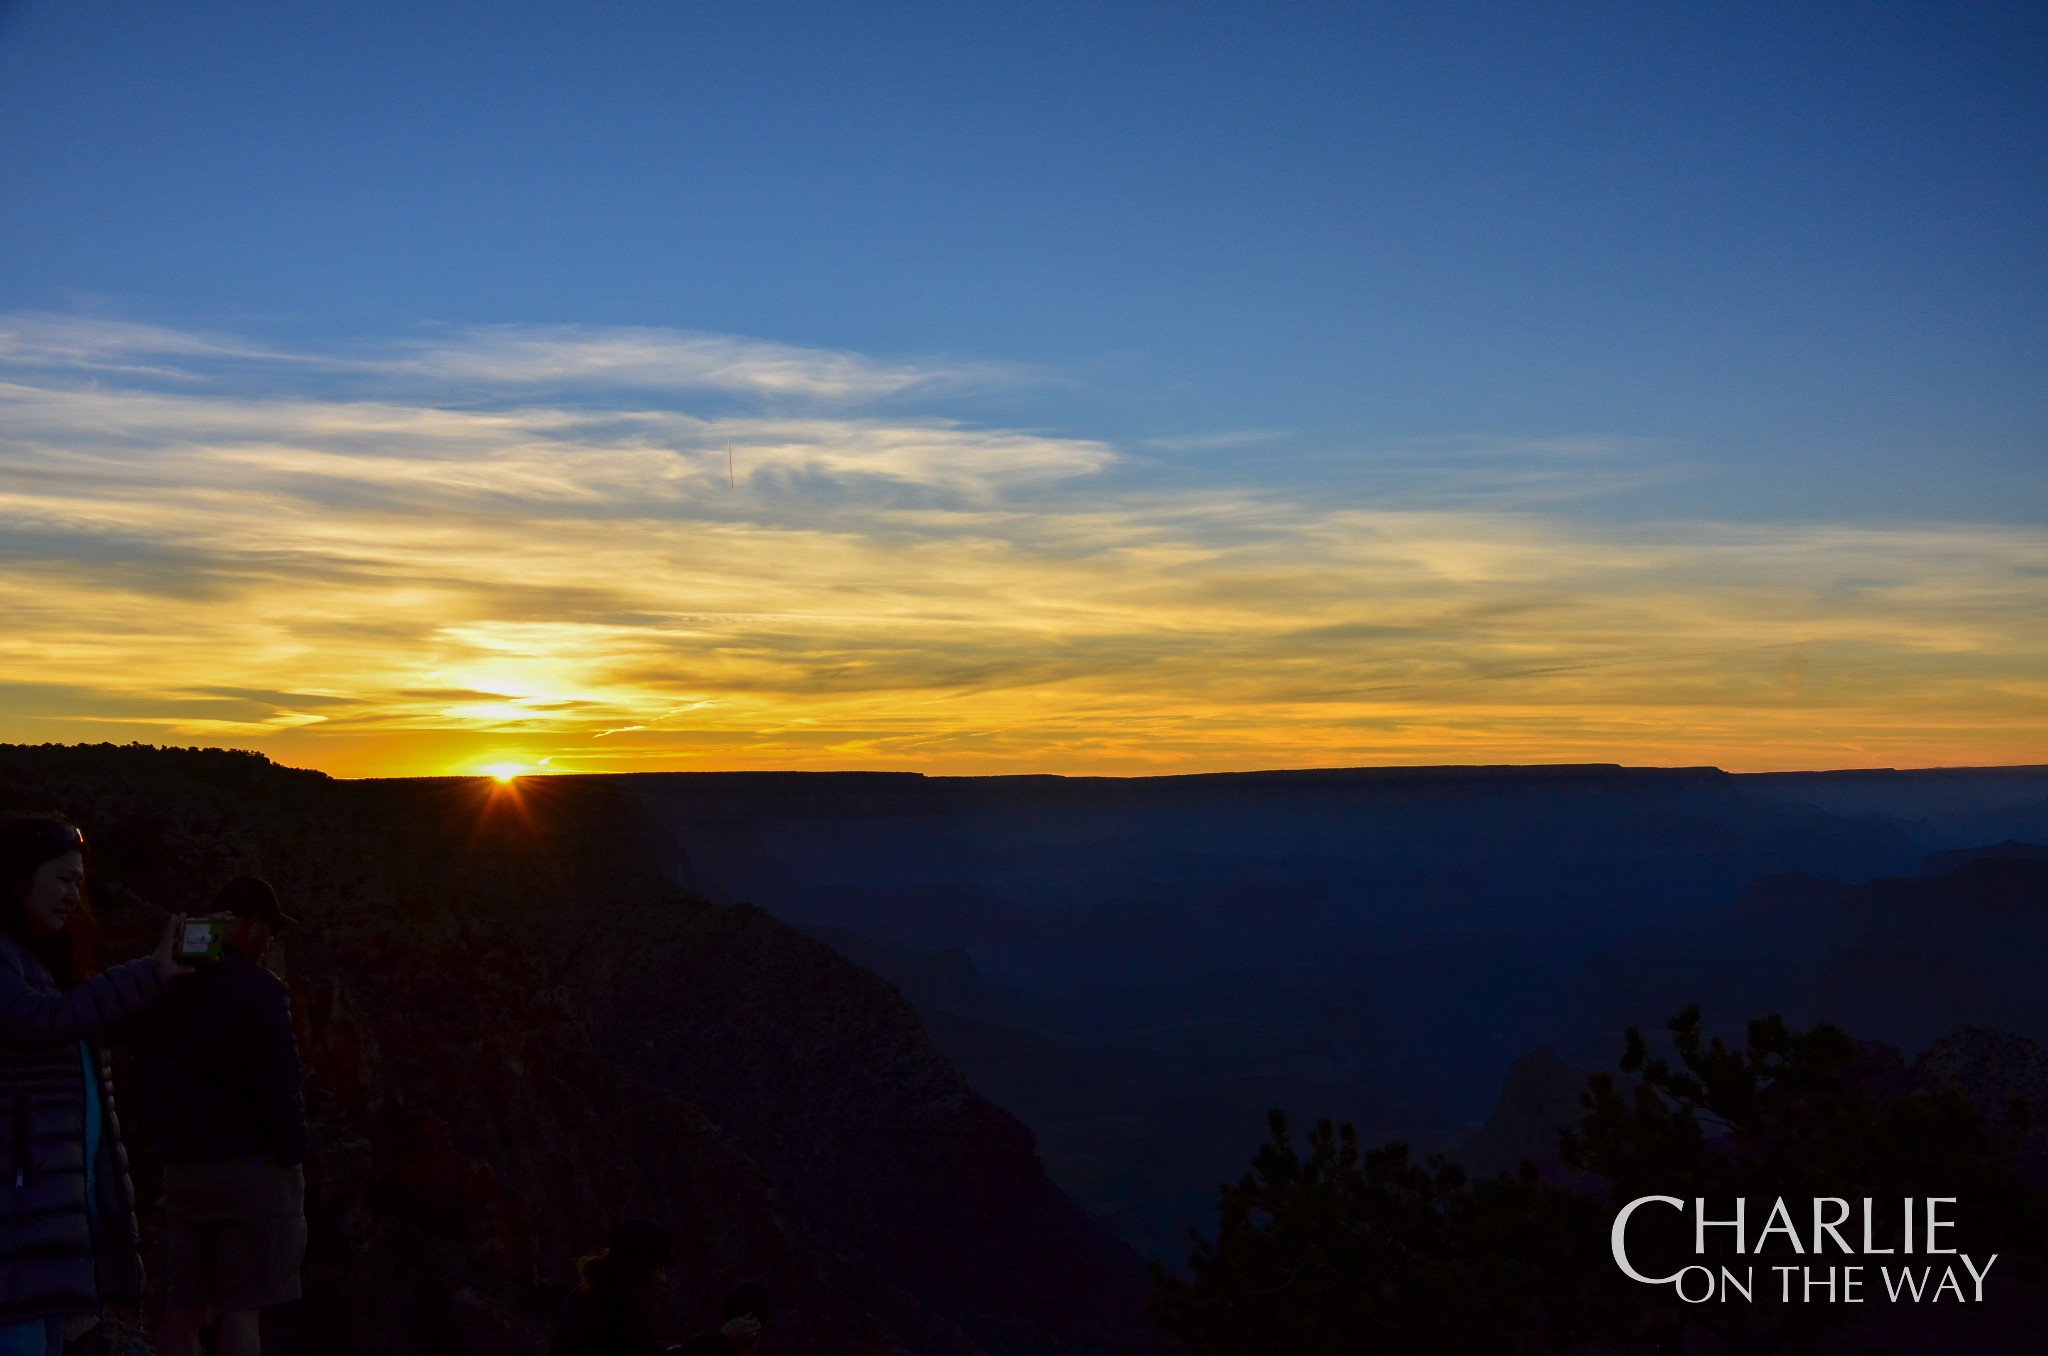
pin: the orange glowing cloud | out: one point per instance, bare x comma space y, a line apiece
376, 581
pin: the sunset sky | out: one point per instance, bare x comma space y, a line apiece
1109, 388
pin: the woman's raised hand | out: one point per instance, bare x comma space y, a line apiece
167, 963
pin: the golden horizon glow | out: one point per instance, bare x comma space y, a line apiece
394, 588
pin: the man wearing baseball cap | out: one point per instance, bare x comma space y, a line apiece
220, 1080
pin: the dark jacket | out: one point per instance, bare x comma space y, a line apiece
604, 1322
220, 1067
55, 1256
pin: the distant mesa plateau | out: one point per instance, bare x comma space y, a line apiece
946, 1060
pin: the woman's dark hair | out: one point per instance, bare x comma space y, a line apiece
26, 842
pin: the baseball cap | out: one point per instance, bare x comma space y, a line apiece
252, 895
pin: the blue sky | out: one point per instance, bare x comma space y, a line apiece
1805, 243
1639, 269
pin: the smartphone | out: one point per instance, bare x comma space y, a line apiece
200, 939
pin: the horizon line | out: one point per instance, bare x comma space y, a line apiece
1326, 769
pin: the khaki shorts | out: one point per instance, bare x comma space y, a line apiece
236, 1233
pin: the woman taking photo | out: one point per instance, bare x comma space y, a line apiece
67, 1209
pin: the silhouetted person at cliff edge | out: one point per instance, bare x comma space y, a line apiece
747, 1310
607, 1316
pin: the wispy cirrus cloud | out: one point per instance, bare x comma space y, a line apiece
666, 360
500, 358
1526, 473
388, 583
39, 340
544, 460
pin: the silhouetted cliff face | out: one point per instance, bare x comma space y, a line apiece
519, 1032
1538, 1100
824, 1072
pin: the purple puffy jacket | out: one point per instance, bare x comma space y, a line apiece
56, 1257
